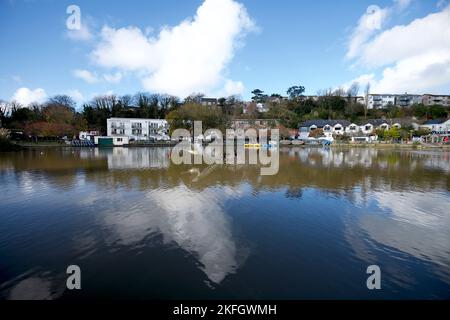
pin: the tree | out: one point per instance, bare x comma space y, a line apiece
63, 100
194, 98
366, 95
295, 92
259, 96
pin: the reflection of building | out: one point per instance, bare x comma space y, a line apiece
138, 129
138, 158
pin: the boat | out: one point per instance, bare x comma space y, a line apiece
252, 145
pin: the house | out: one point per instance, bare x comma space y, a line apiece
437, 126
111, 141
209, 101
88, 135
138, 129
329, 127
245, 124
368, 127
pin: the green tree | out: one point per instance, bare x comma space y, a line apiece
295, 92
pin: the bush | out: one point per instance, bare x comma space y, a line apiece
5, 142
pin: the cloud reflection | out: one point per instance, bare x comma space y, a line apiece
194, 220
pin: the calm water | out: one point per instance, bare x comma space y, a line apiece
141, 227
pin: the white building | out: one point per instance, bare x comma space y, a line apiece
88, 135
138, 129
407, 100
440, 126
377, 101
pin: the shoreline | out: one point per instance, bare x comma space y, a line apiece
24, 146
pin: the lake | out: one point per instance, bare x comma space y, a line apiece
139, 226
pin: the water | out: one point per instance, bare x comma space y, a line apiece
141, 227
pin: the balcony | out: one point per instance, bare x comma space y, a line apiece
117, 126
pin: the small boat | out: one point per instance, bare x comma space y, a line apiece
252, 145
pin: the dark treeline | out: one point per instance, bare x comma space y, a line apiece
59, 117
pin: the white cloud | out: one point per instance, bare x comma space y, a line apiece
362, 81
83, 34
86, 75
76, 95
425, 35
190, 57
113, 78
370, 23
93, 77
402, 4
413, 58
26, 96
234, 88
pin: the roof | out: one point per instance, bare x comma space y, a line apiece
319, 123
436, 121
375, 122
209, 100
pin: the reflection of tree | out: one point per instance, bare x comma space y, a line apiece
337, 171
292, 193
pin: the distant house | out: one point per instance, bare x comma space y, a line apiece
245, 124
329, 127
209, 101
368, 127
439, 126
88, 135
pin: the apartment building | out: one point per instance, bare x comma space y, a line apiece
377, 101
138, 129
430, 100
407, 100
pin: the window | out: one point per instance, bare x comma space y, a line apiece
368, 127
119, 139
326, 128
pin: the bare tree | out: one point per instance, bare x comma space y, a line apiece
14, 106
366, 96
62, 100
105, 102
352, 94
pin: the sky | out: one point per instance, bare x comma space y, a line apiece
221, 47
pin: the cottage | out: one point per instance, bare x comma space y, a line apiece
369, 126
437, 126
329, 127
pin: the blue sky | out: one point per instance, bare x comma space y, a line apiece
269, 45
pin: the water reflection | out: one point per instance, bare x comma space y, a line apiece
380, 206
196, 222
